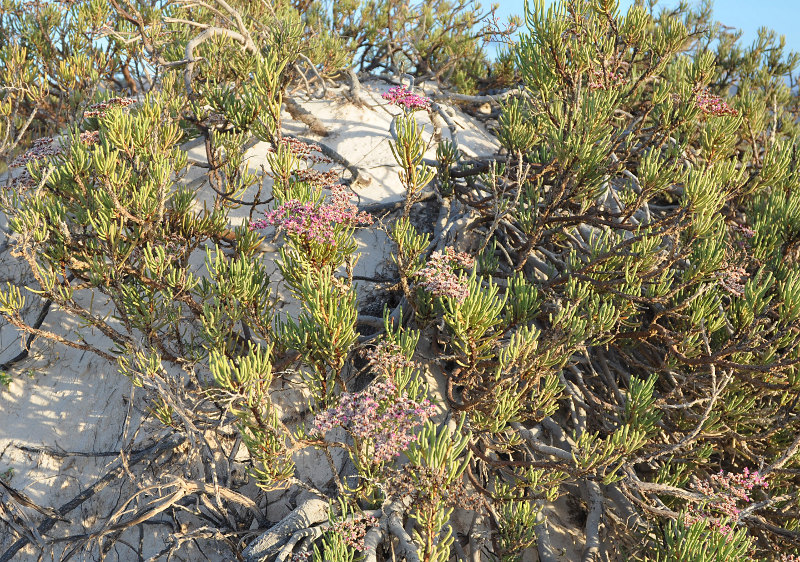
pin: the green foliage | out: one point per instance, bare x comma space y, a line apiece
324, 331
439, 450
443, 39
698, 543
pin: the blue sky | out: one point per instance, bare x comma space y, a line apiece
783, 16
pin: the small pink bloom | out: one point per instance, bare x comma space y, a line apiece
439, 278
713, 105
377, 414
402, 97
315, 223
100, 109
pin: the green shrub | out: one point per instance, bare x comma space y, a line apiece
619, 324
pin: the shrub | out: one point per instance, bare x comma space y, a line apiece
618, 322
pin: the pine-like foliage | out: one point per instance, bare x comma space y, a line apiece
610, 308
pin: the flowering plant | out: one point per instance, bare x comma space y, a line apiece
724, 493
353, 529
623, 329
101, 109
713, 105
315, 223
439, 277
406, 99
380, 419
320, 231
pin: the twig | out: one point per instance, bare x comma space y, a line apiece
488, 98
169, 443
539, 446
355, 88
316, 72
22, 355
25, 501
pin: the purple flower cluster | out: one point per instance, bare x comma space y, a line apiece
423, 484
713, 105
439, 278
387, 358
604, 80
304, 150
324, 180
405, 98
40, 148
724, 491
44, 147
732, 279
353, 530
100, 109
379, 414
90, 137
315, 223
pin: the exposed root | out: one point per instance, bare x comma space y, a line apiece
306, 117
310, 512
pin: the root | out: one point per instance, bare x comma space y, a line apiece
272, 541
306, 117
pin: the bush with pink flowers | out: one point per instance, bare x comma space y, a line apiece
588, 340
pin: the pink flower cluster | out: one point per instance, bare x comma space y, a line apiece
732, 279
405, 98
604, 80
713, 105
387, 358
47, 146
315, 223
40, 148
380, 414
354, 529
439, 278
325, 180
100, 109
304, 150
724, 491
423, 484
90, 137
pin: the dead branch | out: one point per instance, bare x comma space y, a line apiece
301, 114
168, 443
488, 98
394, 519
25, 501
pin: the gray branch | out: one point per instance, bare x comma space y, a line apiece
270, 543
